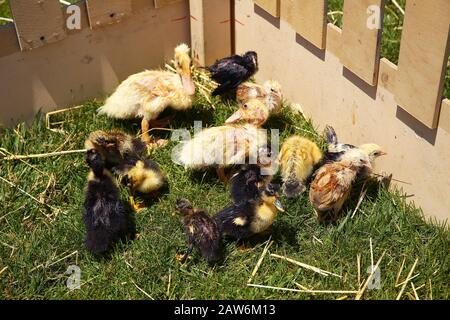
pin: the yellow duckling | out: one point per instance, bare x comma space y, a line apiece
298, 157
146, 94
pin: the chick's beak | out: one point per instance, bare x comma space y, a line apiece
235, 117
279, 205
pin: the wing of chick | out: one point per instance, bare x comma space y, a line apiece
224, 145
331, 186
205, 234
229, 73
249, 90
235, 220
133, 96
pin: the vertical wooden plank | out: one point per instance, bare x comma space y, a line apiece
444, 120
361, 38
162, 3
210, 30
423, 59
103, 13
271, 6
308, 18
37, 22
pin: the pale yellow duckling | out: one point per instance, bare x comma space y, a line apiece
146, 94
269, 93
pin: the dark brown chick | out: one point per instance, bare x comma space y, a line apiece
201, 231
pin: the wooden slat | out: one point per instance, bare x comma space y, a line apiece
308, 18
37, 22
444, 120
423, 59
103, 12
271, 6
360, 44
162, 3
210, 30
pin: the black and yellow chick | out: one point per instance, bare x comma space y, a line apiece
246, 183
201, 230
114, 146
243, 220
105, 215
231, 71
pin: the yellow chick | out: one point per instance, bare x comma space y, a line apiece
146, 94
254, 112
298, 156
269, 93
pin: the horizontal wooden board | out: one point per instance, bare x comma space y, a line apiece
360, 50
37, 22
103, 13
162, 3
308, 18
423, 59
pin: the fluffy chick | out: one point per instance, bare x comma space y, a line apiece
298, 157
147, 94
333, 182
231, 71
142, 175
105, 215
219, 147
269, 93
114, 146
248, 218
201, 230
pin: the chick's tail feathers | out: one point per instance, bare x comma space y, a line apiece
331, 135
293, 188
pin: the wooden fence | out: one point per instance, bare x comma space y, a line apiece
418, 80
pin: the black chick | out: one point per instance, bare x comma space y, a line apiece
245, 219
245, 184
114, 146
105, 215
231, 71
201, 231
335, 150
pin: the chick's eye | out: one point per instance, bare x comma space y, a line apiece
245, 106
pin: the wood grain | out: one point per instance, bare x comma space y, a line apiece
37, 22
103, 13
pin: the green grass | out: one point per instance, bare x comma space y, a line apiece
36, 242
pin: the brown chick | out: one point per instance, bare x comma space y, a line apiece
269, 93
332, 185
114, 146
201, 230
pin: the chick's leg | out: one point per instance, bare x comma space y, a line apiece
145, 128
188, 252
221, 174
